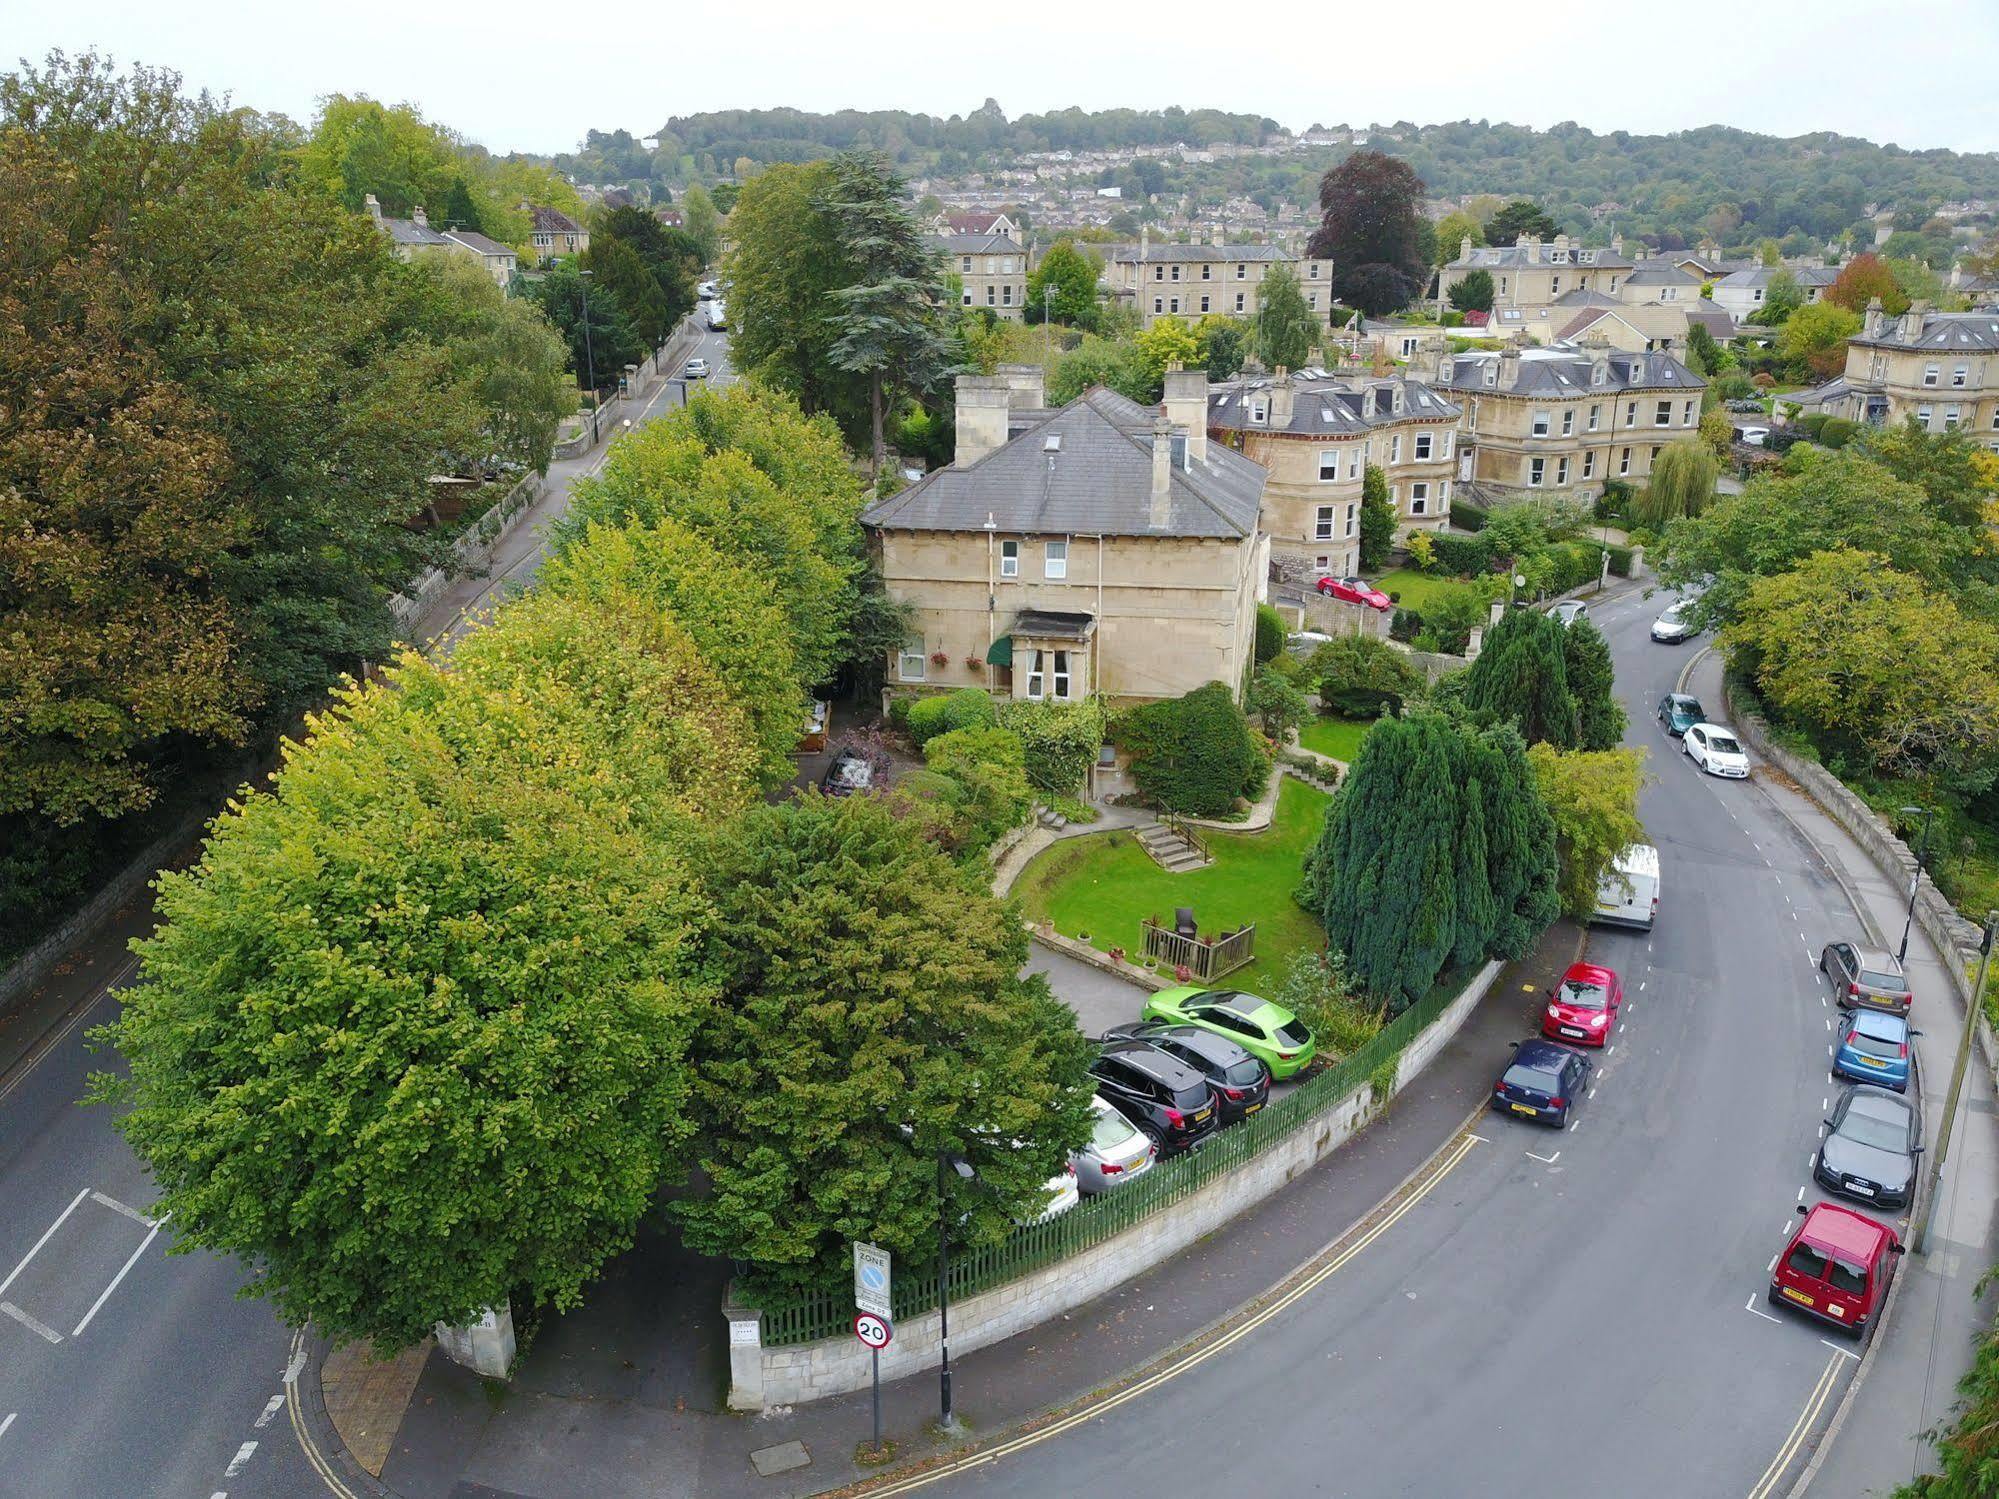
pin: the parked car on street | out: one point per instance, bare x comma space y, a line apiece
1268, 1032
1240, 1083
1545, 1083
1118, 1151
1628, 895
1569, 611
1715, 750
706, 291
1679, 712
694, 369
1062, 1193
1865, 976
1837, 1267
1162, 1095
1874, 1048
1673, 627
1355, 591
1872, 1140
848, 775
1583, 1007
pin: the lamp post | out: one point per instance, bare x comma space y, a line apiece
589, 355
1921, 1235
1916, 878
1048, 319
946, 1164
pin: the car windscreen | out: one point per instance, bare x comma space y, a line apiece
1245, 1074
1894, 983
1293, 1033
1882, 1133
1584, 996
1723, 744
1112, 1131
1532, 1080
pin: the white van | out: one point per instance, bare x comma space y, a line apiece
1629, 894
718, 314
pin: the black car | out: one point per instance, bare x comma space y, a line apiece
1161, 1094
1870, 1149
848, 775
1240, 1083
1546, 1083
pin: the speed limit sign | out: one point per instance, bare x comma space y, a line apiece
873, 1331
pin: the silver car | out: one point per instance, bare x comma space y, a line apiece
1569, 611
1117, 1152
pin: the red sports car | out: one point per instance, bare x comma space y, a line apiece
1583, 1007
1355, 591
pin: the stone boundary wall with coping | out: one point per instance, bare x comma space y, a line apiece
762, 1378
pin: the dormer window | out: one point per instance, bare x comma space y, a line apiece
1259, 411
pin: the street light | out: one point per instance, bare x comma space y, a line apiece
1972, 1011
1916, 878
589, 355
946, 1163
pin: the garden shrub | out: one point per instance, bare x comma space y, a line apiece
968, 706
1837, 432
1361, 664
1462, 556
1469, 517
1059, 741
1270, 634
1620, 560
1193, 754
1450, 622
1814, 424
1405, 625
986, 767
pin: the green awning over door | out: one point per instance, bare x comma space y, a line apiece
1000, 652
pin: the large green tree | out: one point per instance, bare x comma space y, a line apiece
872, 1013
1438, 852
1521, 216
1372, 208
1286, 329
1586, 667
1813, 340
1681, 484
1472, 292
1064, 285
1593, 798
672, 255
1377, 519
1521, 678
1953, 469
617, 271
600, 337
411, 1038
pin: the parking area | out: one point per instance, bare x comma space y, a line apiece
58, 1287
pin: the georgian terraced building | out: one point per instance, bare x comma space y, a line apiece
1941, 368
1191, 281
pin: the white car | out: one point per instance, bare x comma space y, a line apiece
706, 291
1569, 611
1673, 627
1755, 436
1715, 750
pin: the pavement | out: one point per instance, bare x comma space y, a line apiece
124, 1369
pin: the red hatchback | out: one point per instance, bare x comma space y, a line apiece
1583, 1007
1355, 591
1837, 1267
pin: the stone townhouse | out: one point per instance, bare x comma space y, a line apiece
991, 270
1530, 277
413, 236
1191, 281
1315, 434
1942, 368
1565, 419
553, 233
1098, 548
1743, 292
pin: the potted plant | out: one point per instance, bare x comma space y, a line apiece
973, 663
938, 658
1117, 955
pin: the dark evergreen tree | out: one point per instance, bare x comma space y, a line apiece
459, 211
1521, 860
1473, 292
1377, 520
670, 254
616, 268
1521, 678
1521, 216
1586, 661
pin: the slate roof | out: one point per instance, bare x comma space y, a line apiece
1557, 371
1759, 275
1329, 407
982, 221
410, 232
978, 244
552, 220
1515, 256
1711, 315
472, 239
1151, 254
1943, 333
1086, 470
1655, 274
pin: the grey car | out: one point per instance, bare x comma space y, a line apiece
1569, 611
1872, 1140
1118, 1151
1870, 976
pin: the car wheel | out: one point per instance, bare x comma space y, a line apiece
1775, 1298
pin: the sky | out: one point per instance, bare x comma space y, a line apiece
534, 76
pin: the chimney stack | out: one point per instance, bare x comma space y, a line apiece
1283, 398
1215, 236
982, 404
374, 206
1509, 366
419, 217
1162, 471
1871, 324
1913, 320
1186, 407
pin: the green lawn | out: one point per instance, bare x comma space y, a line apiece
1338, 737
1106, 885
1418, 590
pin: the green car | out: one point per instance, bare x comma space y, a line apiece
1268, 1032
1678, 712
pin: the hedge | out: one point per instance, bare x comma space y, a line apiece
1271, 633
1837, 432
1059, 741
1462, 556
966, 708
1620, 560
1193, 754
1405, 625
1469, 517
1814, 424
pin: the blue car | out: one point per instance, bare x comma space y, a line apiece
1874, 1048
1546, 1083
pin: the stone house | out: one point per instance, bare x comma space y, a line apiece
414, 236
991, 270
1743, 292
1097, 548
553, 233
1191, 281
975, 221
1567, 418
1315, 435
1530, 278
1942, 368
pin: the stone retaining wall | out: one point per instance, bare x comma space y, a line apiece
761, 1378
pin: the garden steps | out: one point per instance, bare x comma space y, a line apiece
1170, 848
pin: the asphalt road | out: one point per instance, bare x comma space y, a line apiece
1576, 1313
126, 1370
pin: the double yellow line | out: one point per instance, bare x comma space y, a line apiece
1807, 1419
312, 1453
1456, 1153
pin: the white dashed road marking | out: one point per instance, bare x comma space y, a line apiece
237, 1463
